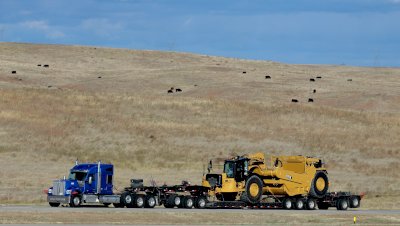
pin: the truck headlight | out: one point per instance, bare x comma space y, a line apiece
50, 191
68, 192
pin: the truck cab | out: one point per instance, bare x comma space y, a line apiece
86, 183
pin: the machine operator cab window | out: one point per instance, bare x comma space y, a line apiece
229, 169
236, 169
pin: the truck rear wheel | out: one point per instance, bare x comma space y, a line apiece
319, 185
150, 201
54, 204
200, 202
254, 186
138, 201
127, 199
342, 204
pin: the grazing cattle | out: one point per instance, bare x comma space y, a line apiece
244, 72
46, 65
178, 90
314, 91
319, 77
295, 100
349, 80
170, 91
49, 86
195, 84
267, 77
312, 80
39, 65
14, 72
310, 100
99, 77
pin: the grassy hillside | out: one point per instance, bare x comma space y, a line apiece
112, 105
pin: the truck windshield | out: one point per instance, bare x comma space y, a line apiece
229, 169
77, 176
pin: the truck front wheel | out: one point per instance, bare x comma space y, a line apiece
75, 201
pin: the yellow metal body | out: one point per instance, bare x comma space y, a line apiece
282, 175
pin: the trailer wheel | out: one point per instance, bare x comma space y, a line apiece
127, 199
323, 205
54, 204
139, 201
319, 185
75, 201
311, 204
177, 201
150, 201
187, 202
287, 203
299, 205
254, 186
200, 202
342, 204
170, 202
354, 202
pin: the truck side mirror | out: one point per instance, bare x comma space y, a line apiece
90, 180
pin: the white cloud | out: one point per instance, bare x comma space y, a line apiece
43, 26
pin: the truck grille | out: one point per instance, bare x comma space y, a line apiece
58, 187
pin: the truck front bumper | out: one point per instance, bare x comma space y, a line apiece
58, 199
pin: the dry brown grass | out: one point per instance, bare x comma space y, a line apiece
127, 118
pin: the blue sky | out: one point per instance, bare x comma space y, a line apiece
351, 32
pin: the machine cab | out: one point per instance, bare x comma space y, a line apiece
236, 168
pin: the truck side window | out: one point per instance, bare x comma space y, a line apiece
109, 179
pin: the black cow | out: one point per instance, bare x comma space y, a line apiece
314, 91
312, 80
295, 100
178, 90
46, 65
267, 77
170, 91
310, 100
14, 72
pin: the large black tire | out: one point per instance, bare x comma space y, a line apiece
354, 202
200, 202
342, 204
287, 203
311, 204
138, 201
187, 202
127, 199
253, 189
54, 204
150, 201
75, 201
319, 185
323, 205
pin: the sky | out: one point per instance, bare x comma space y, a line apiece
349, 32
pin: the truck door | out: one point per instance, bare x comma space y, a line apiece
90, 184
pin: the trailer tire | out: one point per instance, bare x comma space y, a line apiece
200, 202
253, 189
127, 199
287, 203
54, 204
311, 204
323, 205
150, 201
138, 201
319, 185
354, 202
342, 204
299, 204
170, 202
187, 202
75, 201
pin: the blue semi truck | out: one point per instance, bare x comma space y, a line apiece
92, 183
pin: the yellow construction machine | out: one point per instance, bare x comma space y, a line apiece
293, 179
